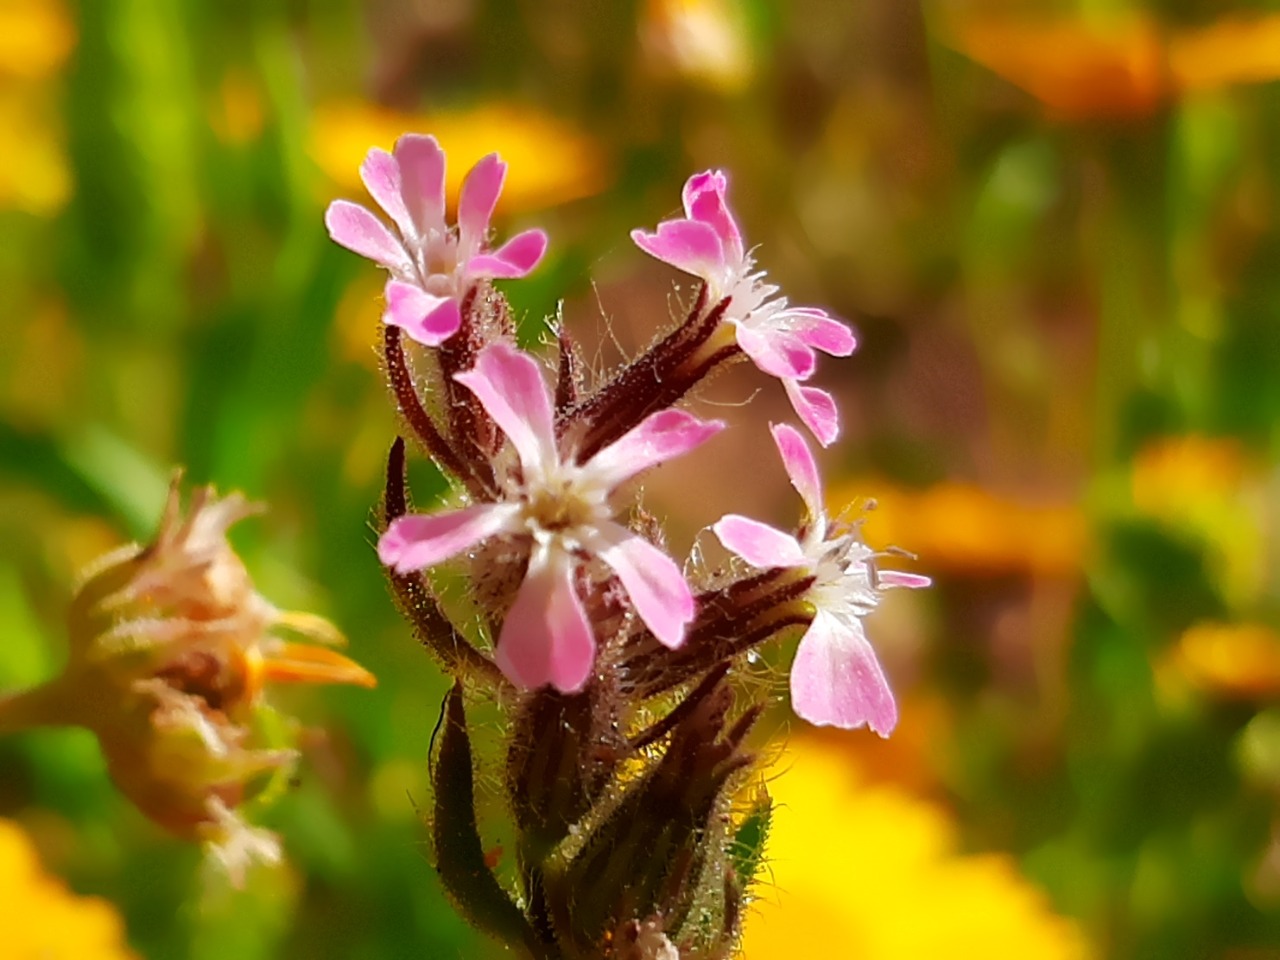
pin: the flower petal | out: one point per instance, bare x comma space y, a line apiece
546, 637
798, 460
514, 259
422, 168
653, 581
422, 540
817, 409
509, 385
428, 319
355, 228
704, 200
758, 543
836, 679
779, 353
688, 245
822, 331
659, 437
896, 578
381, 175
479, 196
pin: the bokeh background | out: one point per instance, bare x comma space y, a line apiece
1053, 224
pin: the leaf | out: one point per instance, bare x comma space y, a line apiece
747, 851
460, 858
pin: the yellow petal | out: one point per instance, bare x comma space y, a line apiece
36, 36
872, 871
42, 918
1228, 52
1076, 68
966, 528
1236, 660
300, 663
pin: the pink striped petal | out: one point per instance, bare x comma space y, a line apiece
823, 332
817, 409
428, 319
758, 543
422, 169
422, 540
479, 196
546, 637
704, 200
659, 437
510, 387
836, 679
355, 228
381, 175
778, 353
514, 259
687, 245
798, 460
652, 580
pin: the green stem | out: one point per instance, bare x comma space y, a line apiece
42, 706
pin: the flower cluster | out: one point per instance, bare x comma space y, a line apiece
627, 742
171, 649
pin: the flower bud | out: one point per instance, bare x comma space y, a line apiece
660, 858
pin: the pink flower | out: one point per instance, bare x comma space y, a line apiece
780, 339
432, 265
836, 679
562, 507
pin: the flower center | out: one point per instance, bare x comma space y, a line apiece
439, 259
561, 504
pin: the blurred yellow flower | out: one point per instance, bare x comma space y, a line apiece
856, 870
703, 40
550, 161
963, 527
34, 174
1231, 659
1173, 474
41, 919
1208, 488
36, 37
1120, 66
1231, 51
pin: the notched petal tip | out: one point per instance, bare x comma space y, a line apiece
653, 581
816, 409
428, 319
546, 637
837, 681
802, 469
516, 258
422, 540
510, 386
480, 191
354, 227
758, 543
688, 245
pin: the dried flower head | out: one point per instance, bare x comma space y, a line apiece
171, 649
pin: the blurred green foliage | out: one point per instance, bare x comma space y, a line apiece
1043, 295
